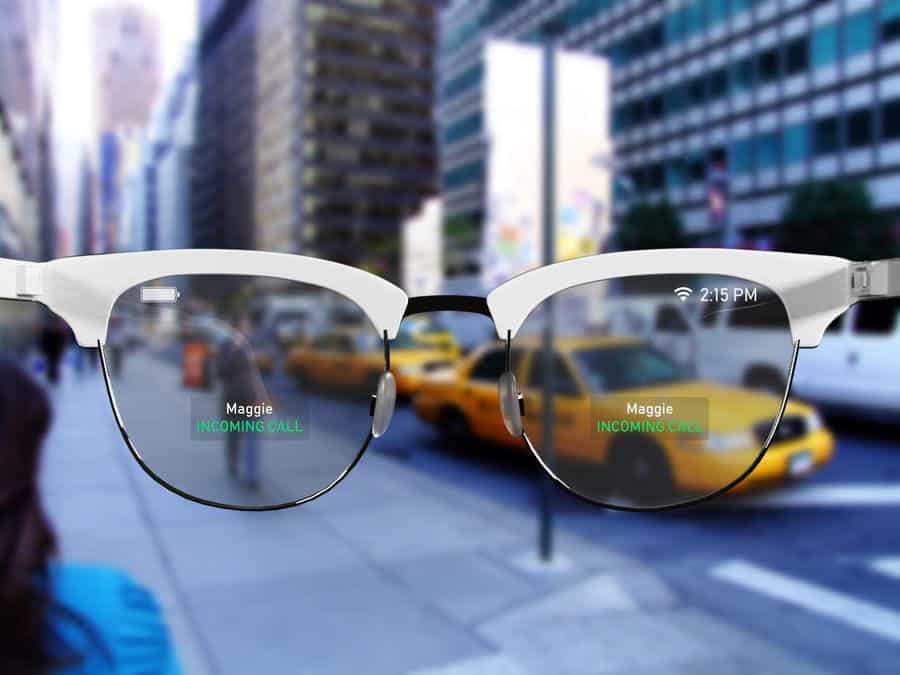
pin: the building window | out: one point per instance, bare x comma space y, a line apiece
655, 107
796, 56
675, 99
768, 150
673, 27
741, 160
738, 6
768, 65
696, 167
467, 173
890, 20
696, 91
742, 75
675, 174
464, 128
717, 10
718, 84
467, 80
796, 142
860, 33
825, 136
859, 128
890, 120
696, 17
824, 45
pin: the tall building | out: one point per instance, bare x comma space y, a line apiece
156, 195
17, 204
721, 106
27, 52
315, 125
126, 43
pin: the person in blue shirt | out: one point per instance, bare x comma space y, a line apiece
55, 618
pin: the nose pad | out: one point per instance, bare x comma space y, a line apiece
383, 402
510, 403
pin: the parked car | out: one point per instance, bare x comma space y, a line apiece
849, 370
463, 400
854, 367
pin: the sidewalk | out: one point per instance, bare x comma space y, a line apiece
393, 572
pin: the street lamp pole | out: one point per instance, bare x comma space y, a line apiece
549, 254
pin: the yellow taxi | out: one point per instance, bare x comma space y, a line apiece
353, 359
590, 379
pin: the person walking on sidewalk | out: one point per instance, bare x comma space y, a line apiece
241, 385
55, 618
53, 345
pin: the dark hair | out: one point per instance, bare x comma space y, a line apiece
27, 541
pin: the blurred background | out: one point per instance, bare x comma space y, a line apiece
416, 140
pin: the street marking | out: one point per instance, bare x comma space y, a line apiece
889, 566
840, 607
848, 494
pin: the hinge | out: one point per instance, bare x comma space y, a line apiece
875, 279
29, 280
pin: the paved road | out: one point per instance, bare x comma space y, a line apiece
823, 555
421, 563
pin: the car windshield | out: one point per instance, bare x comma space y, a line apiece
625, 367
407, 340
291, 317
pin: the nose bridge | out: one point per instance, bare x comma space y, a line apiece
469, 304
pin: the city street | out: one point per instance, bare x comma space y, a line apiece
423, 561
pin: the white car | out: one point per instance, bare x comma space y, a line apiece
853, 367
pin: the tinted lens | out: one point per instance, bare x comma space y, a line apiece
241, 390
664, 388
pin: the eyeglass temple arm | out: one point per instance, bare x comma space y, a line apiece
20, 280
875, 279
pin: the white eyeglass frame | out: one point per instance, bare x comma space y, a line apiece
814, 289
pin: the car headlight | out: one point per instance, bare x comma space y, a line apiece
734, 440
409, 369
814, 421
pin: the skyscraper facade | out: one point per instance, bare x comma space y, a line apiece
315, 127
752, 97
127, 72
27, 52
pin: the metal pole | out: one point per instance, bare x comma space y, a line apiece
549, 254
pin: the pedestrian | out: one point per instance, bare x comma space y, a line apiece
59, 618
53, 345
115, 345
241, 386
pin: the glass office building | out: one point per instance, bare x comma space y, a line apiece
772, 92
316, 129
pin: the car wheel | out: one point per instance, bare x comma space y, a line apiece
641, 473
454, 424
765, 379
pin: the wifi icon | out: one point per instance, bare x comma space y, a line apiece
683, 293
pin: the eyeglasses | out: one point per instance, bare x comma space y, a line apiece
252, 380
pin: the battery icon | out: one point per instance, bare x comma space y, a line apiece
159, 294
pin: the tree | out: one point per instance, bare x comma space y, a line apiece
647, 226
836, 217
462, 231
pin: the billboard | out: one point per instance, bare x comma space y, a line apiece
514, 125
423, 267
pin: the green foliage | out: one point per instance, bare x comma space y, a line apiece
462, 231
648, 226
836, 217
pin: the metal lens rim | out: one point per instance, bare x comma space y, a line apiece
695, 500
207, 502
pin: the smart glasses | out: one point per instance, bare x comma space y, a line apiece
251, 380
